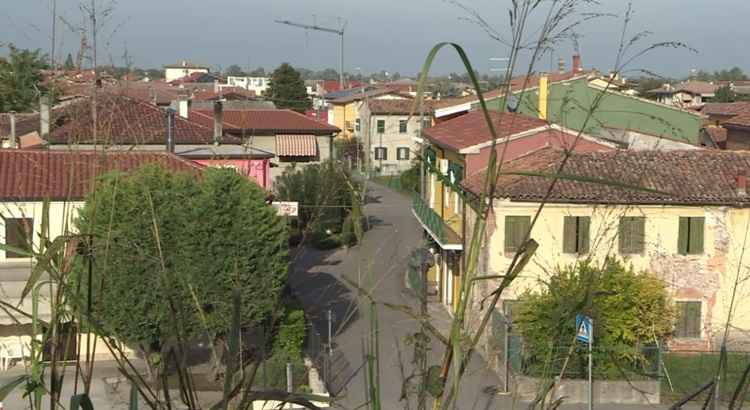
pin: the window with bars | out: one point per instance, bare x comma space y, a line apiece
402, 126
381, 153
688, 319
576, 234
516, 228
632, 234
380, 126
402, 153
18, 234
690, 237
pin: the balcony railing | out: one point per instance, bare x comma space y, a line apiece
433, 223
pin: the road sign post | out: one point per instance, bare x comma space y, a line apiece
585, 333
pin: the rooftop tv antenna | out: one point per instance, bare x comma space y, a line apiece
339, 32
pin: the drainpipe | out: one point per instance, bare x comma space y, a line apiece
543, 85
218, 121
44, 116
170, 130
12, 129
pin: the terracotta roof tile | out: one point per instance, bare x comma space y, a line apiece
270, 122
356, 96
124, 121
396, 106
740, 120
693, 177
68, 175
229, 93
471, 129
733, 108
717, 134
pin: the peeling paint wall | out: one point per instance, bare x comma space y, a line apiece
709, 277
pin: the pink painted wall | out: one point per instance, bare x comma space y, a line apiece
257, 169
521, 146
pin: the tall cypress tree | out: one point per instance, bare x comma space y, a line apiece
287, 89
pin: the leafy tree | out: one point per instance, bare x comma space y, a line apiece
20, 79
258, 72
154, 73
629, 309
171, 247
69, 65
327, 191
234, 70
327, 74
287, 89
724, 94
646, 84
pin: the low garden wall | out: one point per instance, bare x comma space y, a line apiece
605, 391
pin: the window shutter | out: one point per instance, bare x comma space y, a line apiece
693, 316
584, 223
509, 229
623, 235
632, 234
682, 236
385, 153
696, 235
569, 234
639, 225
515, 231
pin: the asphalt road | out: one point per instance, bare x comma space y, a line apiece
377, 264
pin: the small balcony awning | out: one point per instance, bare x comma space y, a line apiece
445, 237
296, 145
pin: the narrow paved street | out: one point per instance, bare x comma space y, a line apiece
379, 264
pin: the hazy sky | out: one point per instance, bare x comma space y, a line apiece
394, 35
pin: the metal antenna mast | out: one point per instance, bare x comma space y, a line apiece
327, 30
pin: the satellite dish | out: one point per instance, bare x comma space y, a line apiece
512, 103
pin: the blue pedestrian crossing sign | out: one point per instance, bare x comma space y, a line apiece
584, 329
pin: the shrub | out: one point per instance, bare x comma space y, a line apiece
629, 310
326, 193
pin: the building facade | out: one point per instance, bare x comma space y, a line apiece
182, 69
390, 133
458, 149
690, 233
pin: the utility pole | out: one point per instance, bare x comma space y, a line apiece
339, 32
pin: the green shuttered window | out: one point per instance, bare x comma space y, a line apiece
576, 234
516, 228
688, 319
632, 234
690, 238
381, 126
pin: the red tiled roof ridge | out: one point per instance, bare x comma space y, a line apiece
686, 177
29, 174
471, 129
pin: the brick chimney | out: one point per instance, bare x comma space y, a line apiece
741, 185
218, 121
577, 66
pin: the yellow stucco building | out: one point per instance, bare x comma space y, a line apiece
690, 231
343, 112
